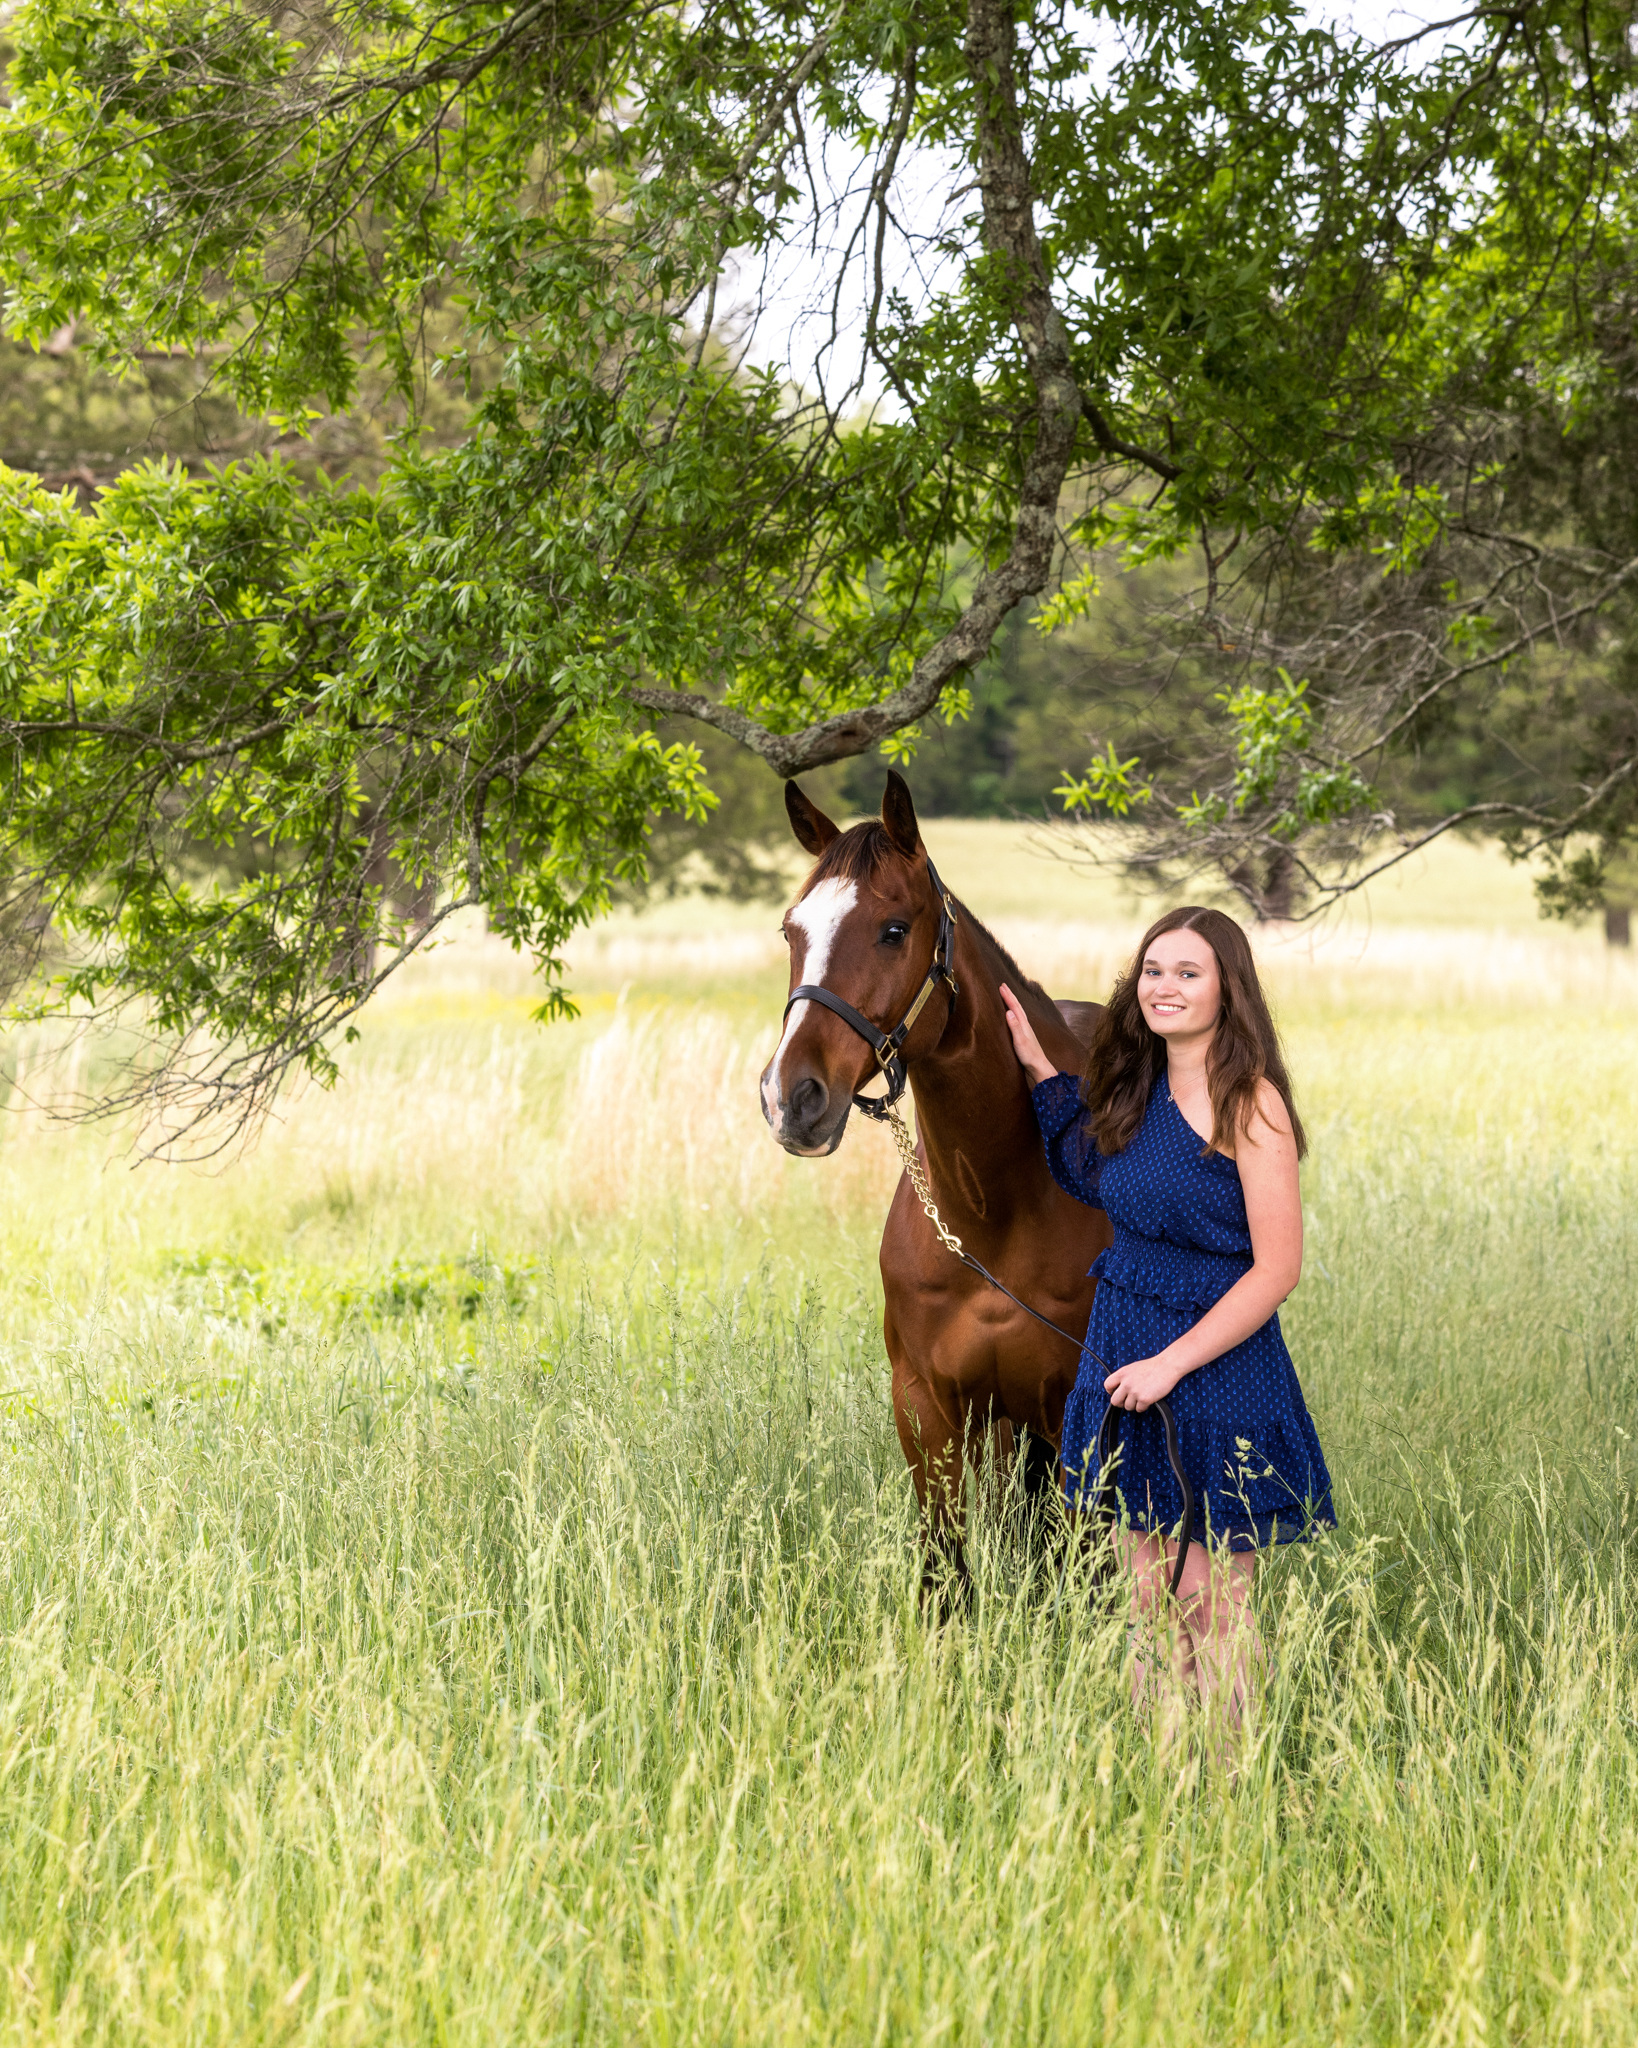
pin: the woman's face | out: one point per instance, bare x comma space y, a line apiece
1178, 986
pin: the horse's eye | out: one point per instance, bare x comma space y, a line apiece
895, 934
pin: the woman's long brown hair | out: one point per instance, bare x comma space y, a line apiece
1126, 1058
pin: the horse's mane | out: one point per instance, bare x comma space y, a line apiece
1016, 977
861, 852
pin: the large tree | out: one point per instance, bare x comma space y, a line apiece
826, 338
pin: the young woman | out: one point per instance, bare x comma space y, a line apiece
1185, 1132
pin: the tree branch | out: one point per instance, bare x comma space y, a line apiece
1011, 242
1549, 830
1524, 641
1105, 437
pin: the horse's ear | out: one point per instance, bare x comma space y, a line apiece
899, 814
814, 831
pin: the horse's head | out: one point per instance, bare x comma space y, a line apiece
865, 927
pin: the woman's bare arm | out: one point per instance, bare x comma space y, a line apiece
1266, 1155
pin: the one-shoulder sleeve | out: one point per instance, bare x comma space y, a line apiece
1071, 1154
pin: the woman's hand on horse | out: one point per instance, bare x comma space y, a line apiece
1024, 1041
1142, 1383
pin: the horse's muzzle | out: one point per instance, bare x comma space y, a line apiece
810, 1120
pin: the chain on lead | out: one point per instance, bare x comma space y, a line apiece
918, 1181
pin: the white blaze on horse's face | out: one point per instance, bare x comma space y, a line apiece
818, 918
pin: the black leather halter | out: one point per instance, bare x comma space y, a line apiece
888, 1046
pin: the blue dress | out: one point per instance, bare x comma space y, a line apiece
1181, 1242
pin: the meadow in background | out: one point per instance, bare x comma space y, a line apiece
459, 1575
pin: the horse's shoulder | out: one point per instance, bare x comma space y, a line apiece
1082, 1018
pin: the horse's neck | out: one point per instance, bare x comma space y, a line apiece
973, 1111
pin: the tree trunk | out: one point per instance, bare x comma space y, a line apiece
353, 962
1617, 924
1272, 897
1279, 888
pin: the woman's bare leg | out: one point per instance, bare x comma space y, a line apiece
1162, 1645
1209, 1634
1226, 1652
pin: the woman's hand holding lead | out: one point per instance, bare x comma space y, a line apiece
1142, 1383
1024, 1041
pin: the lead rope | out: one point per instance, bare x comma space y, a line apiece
918, 1180
924, 1194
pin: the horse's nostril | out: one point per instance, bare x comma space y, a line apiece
806, 1103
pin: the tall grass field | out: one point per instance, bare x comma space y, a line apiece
459, 1580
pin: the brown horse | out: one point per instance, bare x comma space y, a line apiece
965, 1359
